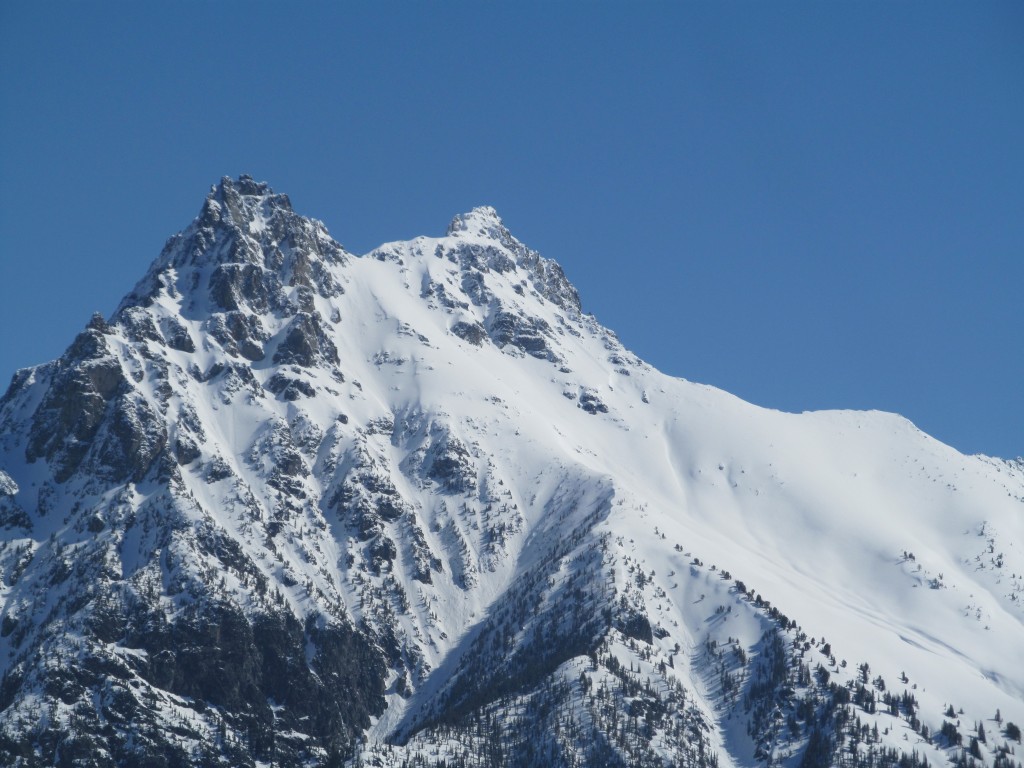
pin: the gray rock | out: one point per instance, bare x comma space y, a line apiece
135, 437
474, 333
12, 515
305, 343
528, 334
177, 335
75, 403
233, 286
289, 389
138, 325
591, 403
186, 449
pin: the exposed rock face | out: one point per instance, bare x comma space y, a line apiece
119, 412
291, 507
530, 335
305, 343
11, 513
87, 380
474, 333
546, 276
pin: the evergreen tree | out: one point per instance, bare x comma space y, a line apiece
1012, 731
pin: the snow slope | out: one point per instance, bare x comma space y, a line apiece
431, 452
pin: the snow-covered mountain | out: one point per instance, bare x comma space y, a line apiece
289, 506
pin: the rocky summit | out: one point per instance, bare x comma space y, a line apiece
289, 506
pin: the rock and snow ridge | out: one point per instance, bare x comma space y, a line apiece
293, 506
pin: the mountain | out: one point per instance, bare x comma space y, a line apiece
289, 506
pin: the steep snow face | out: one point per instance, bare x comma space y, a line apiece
293, 505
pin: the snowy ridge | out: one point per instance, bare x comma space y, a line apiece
292, 506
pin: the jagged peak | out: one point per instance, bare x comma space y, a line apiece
230, 458
254, 243
243, 185
548, 277
242, 202
482, 220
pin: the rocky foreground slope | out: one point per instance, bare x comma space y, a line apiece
288, 506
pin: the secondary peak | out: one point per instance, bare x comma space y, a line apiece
482, 220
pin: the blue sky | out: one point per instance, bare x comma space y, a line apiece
813, 205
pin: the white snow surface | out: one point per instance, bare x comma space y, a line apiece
893, 547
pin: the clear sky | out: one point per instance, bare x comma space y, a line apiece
813, 205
